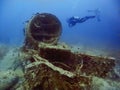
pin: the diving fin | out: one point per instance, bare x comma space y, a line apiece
97, 14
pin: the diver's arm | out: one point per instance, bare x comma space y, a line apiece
72, 21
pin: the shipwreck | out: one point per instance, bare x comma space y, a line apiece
51, 65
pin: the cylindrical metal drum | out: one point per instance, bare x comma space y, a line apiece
43, 27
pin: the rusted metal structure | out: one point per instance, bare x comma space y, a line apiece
54, 66
43, 27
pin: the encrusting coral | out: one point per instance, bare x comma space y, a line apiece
55, 68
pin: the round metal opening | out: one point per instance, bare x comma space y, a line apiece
45, 27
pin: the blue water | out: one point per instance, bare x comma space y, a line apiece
92, 34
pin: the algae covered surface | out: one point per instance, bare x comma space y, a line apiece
56, 67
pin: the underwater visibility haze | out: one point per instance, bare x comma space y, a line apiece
92, 26
90, 34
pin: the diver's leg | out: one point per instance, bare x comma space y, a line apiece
97, 16
85, 18
89, 17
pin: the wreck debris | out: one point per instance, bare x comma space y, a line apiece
97, 66
50, 65
53, 66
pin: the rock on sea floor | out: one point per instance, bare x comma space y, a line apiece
8, 79
10, 68
104, 84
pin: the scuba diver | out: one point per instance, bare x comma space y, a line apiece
72, 21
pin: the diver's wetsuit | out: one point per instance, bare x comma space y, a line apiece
73, 20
